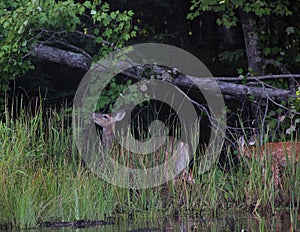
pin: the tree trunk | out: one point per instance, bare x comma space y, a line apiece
232, 39
78, 60
249, 26
57, 55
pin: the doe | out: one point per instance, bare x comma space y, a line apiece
279, 154
108, 121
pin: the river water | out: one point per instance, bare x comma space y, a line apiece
247, 222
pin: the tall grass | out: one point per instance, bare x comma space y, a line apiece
42, 178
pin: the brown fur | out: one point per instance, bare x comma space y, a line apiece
108, 121
280, 154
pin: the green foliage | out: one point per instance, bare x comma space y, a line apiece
116, 95
229, 18
109, 95
232, 55
24, 24
276, 24
297, 100
280, 41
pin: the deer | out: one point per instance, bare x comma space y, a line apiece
278, 153
108, 121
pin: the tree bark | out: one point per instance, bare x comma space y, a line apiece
78, 60
57, 55
249, 27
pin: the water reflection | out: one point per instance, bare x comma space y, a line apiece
242, 222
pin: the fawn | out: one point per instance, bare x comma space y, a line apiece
279, 153
108, 121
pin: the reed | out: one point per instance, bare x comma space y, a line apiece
42, 178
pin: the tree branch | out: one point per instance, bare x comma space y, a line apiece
57, 55
81, 61
265, 77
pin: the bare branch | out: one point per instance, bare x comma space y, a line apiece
77, 49
92, 37
56, 55
81, 61
266, 77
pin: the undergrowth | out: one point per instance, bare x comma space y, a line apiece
43, 178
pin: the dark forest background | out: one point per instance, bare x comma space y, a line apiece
245, 38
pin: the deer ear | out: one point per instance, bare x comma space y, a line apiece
241, 141
119, 115
252, 139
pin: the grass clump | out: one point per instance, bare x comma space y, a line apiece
42, 178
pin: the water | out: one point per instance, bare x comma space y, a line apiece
245, 222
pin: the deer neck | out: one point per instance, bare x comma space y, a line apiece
108, 137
